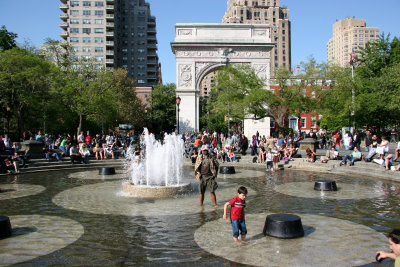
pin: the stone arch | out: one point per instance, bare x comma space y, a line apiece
202, 48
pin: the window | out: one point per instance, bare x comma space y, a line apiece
86, 49
98, 39
141, 34
74, 3
86, 58
86, 30
141, 42
74, 40
141, 74
99, 3
86, 3
74, 21
141, 81
98, 21
141, 67
141, 59
98, 30
283, 38
86, 39
98, 49
99, 12
75, 49
141, 12
74, 12
132, 3
366, 31
141, 19
86, 12
303, 123
313, 122
86, 21
141, 50
98, 66
74, 30
98, 58
140, 27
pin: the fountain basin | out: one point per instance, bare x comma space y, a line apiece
227, 170
5, 227
325, 185
107, 171
283, 226
143, 191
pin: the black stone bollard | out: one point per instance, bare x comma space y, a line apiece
227, 169
107, 171
5, 227
283, 226
325, 185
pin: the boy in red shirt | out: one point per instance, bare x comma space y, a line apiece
237, 214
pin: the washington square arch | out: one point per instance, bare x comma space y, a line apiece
202, 48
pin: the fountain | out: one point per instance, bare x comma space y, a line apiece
159, 173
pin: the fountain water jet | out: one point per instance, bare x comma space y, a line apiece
159, 173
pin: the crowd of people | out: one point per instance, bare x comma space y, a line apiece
77, 149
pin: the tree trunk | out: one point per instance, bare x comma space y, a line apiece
21, 124
80, 125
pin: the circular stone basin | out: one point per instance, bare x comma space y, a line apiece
283, 226
156, 191
327, 241
5, 227
325, 185
227, 169
107, 171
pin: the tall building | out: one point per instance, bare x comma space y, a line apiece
114, 33
349, 35
265, 12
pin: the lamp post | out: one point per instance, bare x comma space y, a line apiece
178, 102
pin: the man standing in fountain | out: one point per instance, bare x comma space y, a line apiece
206, 171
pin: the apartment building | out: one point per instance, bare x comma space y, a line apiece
348, 36
265, 12
115, 34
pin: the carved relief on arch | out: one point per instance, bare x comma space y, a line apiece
185, 75
201, 66
261, 71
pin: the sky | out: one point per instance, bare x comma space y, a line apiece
311, 22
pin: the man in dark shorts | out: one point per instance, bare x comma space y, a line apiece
206, 171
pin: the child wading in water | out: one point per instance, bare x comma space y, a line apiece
237, 215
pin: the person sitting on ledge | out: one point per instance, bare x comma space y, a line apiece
331, 154
74, 154
394, 241
355, 156
310, 155
397, 151
85, 153
50, 153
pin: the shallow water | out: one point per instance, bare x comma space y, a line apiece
119, 230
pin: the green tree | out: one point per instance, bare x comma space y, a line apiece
7, 39
163, 106
237, 93
23, 84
